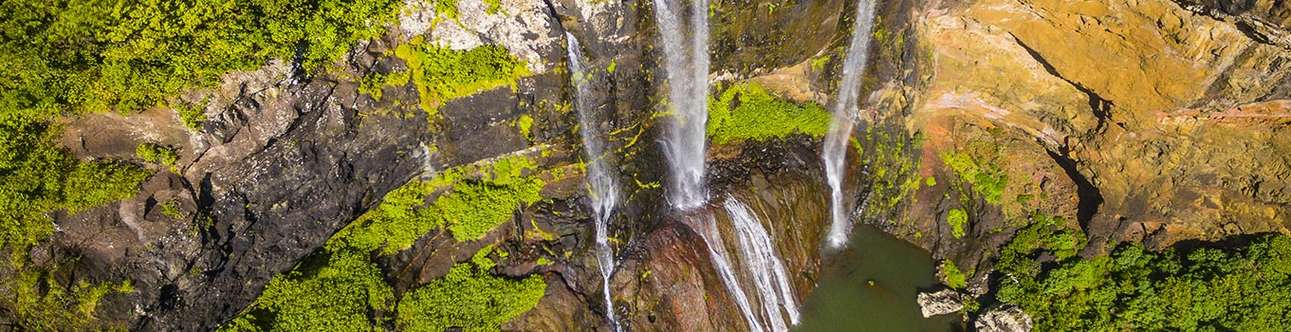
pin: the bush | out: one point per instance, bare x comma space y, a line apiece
157, 154
470, 299
957, 219
952, 276
441, 74
986, 179
748, 111
468, 207
346, 292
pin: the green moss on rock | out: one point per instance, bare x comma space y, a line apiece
470, 299
747, 111
441, 74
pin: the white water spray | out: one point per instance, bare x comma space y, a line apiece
834, 153
763, 263
602, 187
686, 65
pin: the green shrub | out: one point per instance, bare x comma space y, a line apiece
344, 292
441, 74
748, 111
957, 219
986, 179
469, 208
1246, 289
470, 299
953, 277
157, 154
35, 299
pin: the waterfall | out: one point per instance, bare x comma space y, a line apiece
763, 263
602, 187
686, 65
722, 262
759, 262
834, 152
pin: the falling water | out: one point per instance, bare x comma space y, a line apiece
722, 262
763, 263
602, 188
835, 150
686, 64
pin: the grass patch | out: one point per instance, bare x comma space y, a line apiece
747, 111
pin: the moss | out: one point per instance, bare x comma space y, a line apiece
441, 74
957, 219
951, 275
818, 63
469, 299
37, 300
192, 115
468, 207
930, 181
494, 6
748, 111
170, 209
987, 180
525, 124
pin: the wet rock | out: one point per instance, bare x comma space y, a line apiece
1004, 319
941, 302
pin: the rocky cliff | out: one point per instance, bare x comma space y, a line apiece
1155, 122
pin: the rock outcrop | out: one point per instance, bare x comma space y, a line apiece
941, 302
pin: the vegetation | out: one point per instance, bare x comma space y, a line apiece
36, 301
957, 219
337, 291
157, 154
952, 276
468, 207
191, 115
441, 74
986, 179
468, 298
1134, 289
748, 111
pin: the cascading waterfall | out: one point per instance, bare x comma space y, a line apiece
763, 263
686, 65
834, 152
759, 261
722, 262
602, 187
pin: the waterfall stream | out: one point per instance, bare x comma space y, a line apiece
763, 263
758, 262
834, 152
686, 65
602, 187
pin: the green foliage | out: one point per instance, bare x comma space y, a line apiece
818, 64
36, 300
957, 219
930, 181
157, 154
952, 276
96, 183
986, 179
525, 123
191, 115
494, 6
170, 209
470, 299
748, 111
441, 74
336, 291
1247, 289
99, 54
468, 207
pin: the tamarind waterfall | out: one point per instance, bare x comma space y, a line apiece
601, 184
834, 152
763, 264
686, 65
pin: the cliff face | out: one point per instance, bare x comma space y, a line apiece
1147, 121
